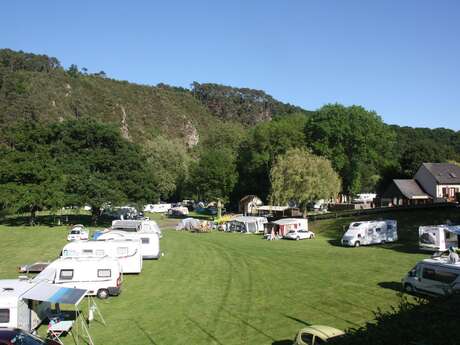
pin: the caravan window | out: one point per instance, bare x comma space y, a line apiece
145, 240
429, 273
66, 274
100, 252
104, 273
122, 251
378, 230
4, 315
87, 251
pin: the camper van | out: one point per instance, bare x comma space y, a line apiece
99, 276
17, 311
157, 208
370, 232
144, 226
150, 241
127, 251
437, 237
245, 224
433, 277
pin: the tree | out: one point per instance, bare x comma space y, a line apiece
30, 179
356, 141
257, 153
214, 175
300, 176
101, 168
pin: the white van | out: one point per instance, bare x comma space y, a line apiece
437, 237
137, 226
17, 312
127, 251
150, 241
78, 232
370, 232
99, 276
433, 277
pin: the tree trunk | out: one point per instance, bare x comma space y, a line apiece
33, 214
95, 213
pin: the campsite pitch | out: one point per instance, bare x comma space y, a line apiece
231, 288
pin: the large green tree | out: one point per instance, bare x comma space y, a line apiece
300, 176
214, 175
265, 142
356, 141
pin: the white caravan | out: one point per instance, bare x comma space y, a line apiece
127, 251
150, 241
433, 277
157, 208
437, 237
141, 226
15, 310
247, 224
370, 232
99, 276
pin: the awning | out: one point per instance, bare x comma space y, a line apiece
55, 294
454, 229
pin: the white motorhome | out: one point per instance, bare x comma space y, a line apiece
99, 276
370, 232
438, 237
17, 311
433, 277
157, 208
246, 224
78, 232
127, 251
144, 226
150, 241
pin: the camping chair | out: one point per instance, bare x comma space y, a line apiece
58, 327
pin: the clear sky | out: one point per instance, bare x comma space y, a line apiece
398, 57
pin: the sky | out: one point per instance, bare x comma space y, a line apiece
399, 58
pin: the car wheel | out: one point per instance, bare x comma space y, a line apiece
297, 238
408, 288
103, 293
357, 244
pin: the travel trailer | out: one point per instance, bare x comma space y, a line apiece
150, 241
157, 208
433, 277
438, 237
99, 276
370, 232
143, 226
15, 310
281, 227
127, 251
247, 224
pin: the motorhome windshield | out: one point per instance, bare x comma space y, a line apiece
75, 232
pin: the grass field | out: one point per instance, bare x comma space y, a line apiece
225, 288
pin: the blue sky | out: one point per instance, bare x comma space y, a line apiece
399, 58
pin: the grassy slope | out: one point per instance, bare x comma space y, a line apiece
238, 289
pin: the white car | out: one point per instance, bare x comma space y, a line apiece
299, 235
78, 233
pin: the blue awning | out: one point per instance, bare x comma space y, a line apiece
52, 293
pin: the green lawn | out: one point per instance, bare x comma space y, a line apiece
223, 288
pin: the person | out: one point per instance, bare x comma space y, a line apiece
453, 256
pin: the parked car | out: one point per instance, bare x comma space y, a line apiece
15, 336
316, 335
299, 235
78, 233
